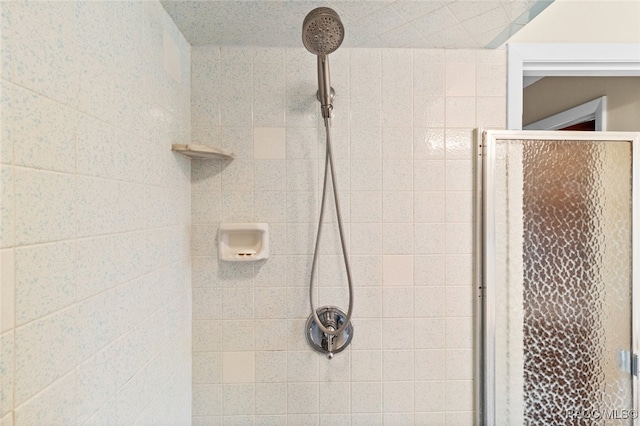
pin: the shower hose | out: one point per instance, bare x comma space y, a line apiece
328, 164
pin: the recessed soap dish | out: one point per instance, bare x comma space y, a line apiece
243, 242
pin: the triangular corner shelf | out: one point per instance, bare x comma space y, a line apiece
202, 152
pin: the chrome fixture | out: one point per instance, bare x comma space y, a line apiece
332, 318
322, 33
328, 329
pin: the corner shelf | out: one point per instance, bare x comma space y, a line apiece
202, 152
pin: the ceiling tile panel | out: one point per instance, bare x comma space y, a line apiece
371, 23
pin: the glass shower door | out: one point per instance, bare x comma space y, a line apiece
556, 277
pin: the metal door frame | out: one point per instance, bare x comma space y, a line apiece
484, 244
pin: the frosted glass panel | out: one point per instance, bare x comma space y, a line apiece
562, 281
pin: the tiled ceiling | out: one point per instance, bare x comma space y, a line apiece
368, 23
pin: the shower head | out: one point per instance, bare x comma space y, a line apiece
322, 31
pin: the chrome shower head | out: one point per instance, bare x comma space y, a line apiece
322, 31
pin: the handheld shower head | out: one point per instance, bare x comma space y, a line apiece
323, 33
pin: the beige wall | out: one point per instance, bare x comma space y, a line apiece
555, 94
584, 21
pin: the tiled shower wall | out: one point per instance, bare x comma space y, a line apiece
402, 139
95, 294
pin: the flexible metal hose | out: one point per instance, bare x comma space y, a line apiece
328, 164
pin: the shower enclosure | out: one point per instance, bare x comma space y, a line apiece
557, 267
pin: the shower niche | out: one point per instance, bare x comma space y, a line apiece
243, 242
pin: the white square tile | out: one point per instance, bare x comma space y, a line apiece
429, 333
397, 174
238, 176
460, 112
428, 76
271, 367
397, 270
397, 302
238, 367
207, 303
302, 175
430, 396
6, 119
429, 238
429, 270
429, 301
236, 206
459, 301
206, 336
270, 334
397, 397
301, 142
491, 79
460, 79
297, 299
366, 206
366, 397
428, 143
7, 373
45, 208
398, 238
43, 133
366, 366
366, 71
459, 269
207, 367
7, 208
41, 56
397, 142
238, 335
397, 206
366, 142
459, 333
302, 366
492, 112
238, 399
459, 237
398, 365
366, 238
97, 381
429, 207
269, 143
269, 302
366, 110
459, 364
335, 398
270, 206
45, 280
271, 398
207, 400
429, 111
459, 395
459, 144
459, 207
366, 174
56, 402
459, 175
270, 175
430, 365
429, 175
35, 367
7, 290
397, 333
302, 398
